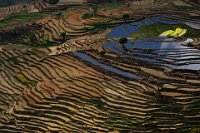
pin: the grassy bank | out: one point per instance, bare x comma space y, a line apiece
21, 18
158, 28
111, 6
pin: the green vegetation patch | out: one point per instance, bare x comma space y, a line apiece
101, 24
52, 1
184, 8
121, 122
96, 102
23, 79
14, 60
21, 18
158, 28
88, 16
110, 6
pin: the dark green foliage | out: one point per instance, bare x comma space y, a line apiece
63, 35
123, 40
184, 8
102, 53
97, 102
21, 17
90, 15
24, 6
101, 24
52, 1
87, 16
125, 17
45, 40
14, 60
32, 40
33, 84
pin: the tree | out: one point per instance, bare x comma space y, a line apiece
24, 6
52, 1
102, 53
45, 40
123, 40
32, 39
125, 17
63, 35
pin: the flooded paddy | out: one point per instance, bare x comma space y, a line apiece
159, 51
164, 51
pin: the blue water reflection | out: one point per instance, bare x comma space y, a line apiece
173, 49
103, 66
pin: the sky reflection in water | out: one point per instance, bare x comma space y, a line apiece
170, 48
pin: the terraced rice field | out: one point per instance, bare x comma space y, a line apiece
92, 83
31, 7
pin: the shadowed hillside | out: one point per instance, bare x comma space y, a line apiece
4, 3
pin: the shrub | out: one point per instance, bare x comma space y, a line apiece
123, 40
32, 39
45, 40
87, 16
52, 1
63, 35
101, 24
14, 60
125, 17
